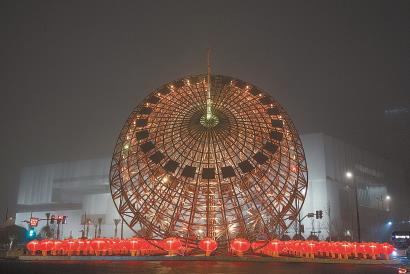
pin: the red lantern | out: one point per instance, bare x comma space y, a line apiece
334, 248
354, 247
33, 246
372, 249
323, 247
361, 248
310, 248
99, 246
259, 246
110, 246
208, 245
58, 247
240, 245
88, 249
387, 249
82, 246
70, 245
297, 247
135, 245
345, 249
172, 245
288, 247
153, 247
274, 247
46, 246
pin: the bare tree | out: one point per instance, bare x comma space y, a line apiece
116, 222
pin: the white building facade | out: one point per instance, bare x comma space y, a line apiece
80, 190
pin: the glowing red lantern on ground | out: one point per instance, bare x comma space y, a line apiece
259, 246
99, 246
70, 246
33, 246
135, 245
110, 246
323, 247
146, 248
345, 249
274, 247
354, 247
288, 247
155, 247
297, 247
58, 247
45, 246
172, 245
125, 246
372, 249
387, 249
361, 248
334, 248
116, 246
208, 245
240, 245
82, 247
310, 248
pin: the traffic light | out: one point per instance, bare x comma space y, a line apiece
33, 222
319, 214
31, 233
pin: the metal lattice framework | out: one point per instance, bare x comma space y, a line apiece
243, 175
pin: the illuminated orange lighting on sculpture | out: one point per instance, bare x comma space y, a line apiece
240, 173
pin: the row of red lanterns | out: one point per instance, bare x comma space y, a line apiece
140, 246
107, 246
340, 250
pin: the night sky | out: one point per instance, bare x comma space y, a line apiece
71, 71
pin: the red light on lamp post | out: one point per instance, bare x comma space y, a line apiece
208, 245
240, 245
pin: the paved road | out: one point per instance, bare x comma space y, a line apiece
174, 267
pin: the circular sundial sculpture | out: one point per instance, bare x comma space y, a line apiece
194, 162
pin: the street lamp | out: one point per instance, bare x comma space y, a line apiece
388, 198
349, 176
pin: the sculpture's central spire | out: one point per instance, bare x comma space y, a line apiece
209, 119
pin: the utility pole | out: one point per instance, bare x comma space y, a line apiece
349, 175
7, 215
357, 211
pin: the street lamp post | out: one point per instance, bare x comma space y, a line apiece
349, 175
